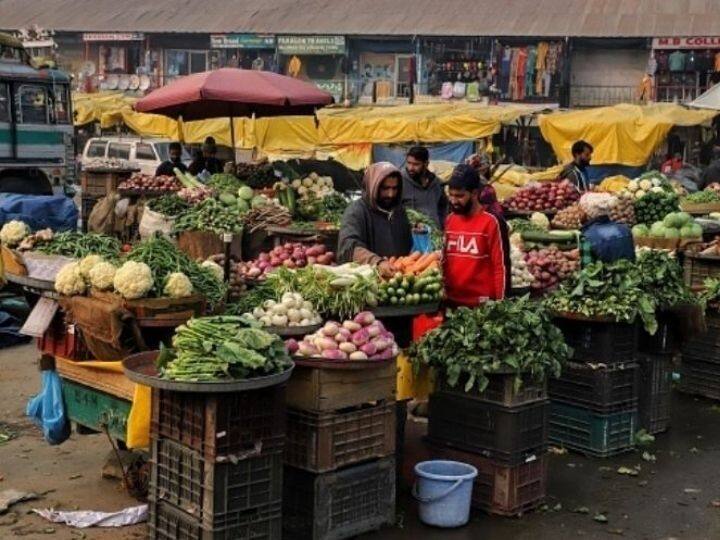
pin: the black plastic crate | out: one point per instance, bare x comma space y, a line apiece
511, 435
591, 432
700, 378
705, 347
665, 340
339, 504
655, 386
603, 388
223, 426
600, 342
217, 494
500, 389
166, 522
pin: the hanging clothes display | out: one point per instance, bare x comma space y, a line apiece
530, 71
540, 67
522, 57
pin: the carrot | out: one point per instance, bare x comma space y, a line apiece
420, 264
392, 261
415, 255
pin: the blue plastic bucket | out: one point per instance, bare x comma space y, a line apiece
443, 490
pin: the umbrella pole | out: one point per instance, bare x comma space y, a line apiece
232, 138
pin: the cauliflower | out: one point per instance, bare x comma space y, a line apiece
541, 220
633, 186
307, 182
101, 275
215, 268
87, 264
13, 232
133, 280
639, 194
296, 184
646, 185
177, 285
69, 281
657, 189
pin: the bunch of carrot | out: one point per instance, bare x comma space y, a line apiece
416, 263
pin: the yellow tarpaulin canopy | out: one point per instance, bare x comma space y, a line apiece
623, 134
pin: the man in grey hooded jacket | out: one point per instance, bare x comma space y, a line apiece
422, 190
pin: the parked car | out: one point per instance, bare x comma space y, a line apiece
146, 153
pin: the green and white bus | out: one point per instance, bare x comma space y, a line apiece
37, 152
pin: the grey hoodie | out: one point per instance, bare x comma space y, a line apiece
429, 200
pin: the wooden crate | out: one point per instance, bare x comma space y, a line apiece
98, 183
322, 389
200, 244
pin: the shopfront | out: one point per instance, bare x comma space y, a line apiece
319, 59
247, 51
115, 60
457, 67
381, 69
684, 67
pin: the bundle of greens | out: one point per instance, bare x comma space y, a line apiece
220, 348
510, 336
168, 205
163, 257
332, 208
78, 245
416, 217
614, 291
223, 182
257, 176
706, 196
519, 225
661, 277
711, 292
213, 215
334, 291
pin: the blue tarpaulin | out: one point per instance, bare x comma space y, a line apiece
597, 173
455, 152
40, 211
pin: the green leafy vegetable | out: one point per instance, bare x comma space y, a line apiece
436, 237
661, 277
168, 205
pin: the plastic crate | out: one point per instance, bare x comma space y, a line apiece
320, 442
697, 268
705, 347
165, 522
322, 389
221, 426
600, 342
655, 385
64, 340
591, 432
511, 435
500, 390
339, 504
217, 494
605, 388
499, 489
96, 410
665, 340
700, 378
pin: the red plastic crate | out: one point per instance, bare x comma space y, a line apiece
64, 340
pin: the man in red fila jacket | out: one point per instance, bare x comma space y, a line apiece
475, 264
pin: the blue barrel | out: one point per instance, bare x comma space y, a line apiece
443, 490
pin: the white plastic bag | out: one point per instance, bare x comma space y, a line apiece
153, 222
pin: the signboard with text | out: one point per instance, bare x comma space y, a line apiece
242, 41
331, 87
113, 36
311, 44
687, 43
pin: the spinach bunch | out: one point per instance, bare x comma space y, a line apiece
613, 291
661, 277
510, 336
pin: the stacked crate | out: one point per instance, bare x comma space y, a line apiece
339, 456
700, 368
217, 464
594, 402
502, 432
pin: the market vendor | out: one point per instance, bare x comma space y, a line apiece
376, 227
488, 196
206, 160
166, 168
421, 189
475, 262
576, 171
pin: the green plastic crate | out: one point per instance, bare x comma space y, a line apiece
95, 409
591, 432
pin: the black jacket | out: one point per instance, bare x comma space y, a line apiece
430, 200
166, 168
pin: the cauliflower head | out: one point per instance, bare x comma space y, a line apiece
87, 264
69, 280
177, 285
133, 280
13, 232
215, 268
101, 275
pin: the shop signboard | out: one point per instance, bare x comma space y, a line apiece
311, 45
332, 87
113, 36
687, 43
242, 41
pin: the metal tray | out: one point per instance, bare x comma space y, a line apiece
293, 331
323, 363
140, 368
387, 312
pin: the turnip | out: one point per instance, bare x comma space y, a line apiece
293, 315
343, 335
365, 318
369, 348
331, 328
361, 337
279, 320
352, 326
381, 343
358, 355
292, 345
324, 343
305, 322
374, 330
307, 349
333, 354
347, 347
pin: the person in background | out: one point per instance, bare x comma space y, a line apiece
488, 196
421, 189
175, 161
576, 171
672, 164
376, 227
474, 261
206, 161
712, 172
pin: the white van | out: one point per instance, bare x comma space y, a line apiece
146, 153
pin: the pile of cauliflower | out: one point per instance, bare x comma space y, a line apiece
314, 186
132, 280
641, 187
13, 232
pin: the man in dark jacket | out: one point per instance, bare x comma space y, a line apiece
166, 168
421, 189
576, 171
206, 161
376, 226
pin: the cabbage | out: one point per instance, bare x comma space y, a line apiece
245, 193
639, 231
684, 219
672, 233
697, 230
657, 230
672, 221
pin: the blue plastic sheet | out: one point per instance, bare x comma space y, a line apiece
609, 241
40, 211
48, 410
455, 152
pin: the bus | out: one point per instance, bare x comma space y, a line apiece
37, 153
